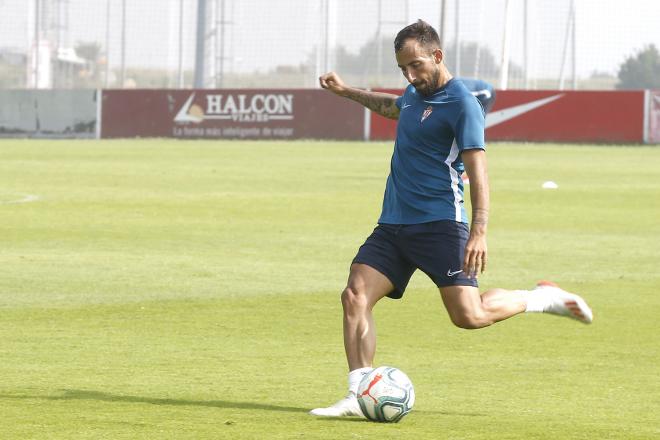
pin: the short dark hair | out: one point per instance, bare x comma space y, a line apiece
421, 31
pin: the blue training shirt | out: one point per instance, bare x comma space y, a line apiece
425, 182
484, 92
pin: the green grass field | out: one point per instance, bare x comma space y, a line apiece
190, 290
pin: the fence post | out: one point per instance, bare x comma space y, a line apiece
201, 43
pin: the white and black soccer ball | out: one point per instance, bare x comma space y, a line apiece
386, 394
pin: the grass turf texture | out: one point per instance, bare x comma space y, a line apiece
161, 289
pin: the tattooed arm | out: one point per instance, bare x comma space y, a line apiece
382, 103
476, 249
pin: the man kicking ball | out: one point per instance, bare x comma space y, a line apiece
423, 224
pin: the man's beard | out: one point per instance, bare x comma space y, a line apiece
429, 88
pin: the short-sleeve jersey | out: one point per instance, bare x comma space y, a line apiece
484, 92
425, 182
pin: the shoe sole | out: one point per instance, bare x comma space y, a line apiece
345, 414
579, 309
576, 306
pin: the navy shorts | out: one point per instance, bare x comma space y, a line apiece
436, 248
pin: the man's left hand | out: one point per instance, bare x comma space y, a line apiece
476, 254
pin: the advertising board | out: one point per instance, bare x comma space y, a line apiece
553, 116
230, 114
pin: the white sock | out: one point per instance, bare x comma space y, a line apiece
535, 301
354, 378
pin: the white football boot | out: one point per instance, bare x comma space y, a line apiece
348, 406
563, 303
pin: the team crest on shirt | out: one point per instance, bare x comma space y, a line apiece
427, 113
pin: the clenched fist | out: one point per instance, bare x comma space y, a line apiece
332, 82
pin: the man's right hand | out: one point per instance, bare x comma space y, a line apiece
382, 103
332, 82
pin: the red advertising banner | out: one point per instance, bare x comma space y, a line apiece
230, 114
383, 128
550, 115
654, 117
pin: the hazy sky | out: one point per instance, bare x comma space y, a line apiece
265, 33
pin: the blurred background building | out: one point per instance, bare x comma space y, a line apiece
514, 44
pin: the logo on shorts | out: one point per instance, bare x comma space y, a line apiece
427, 113
451, 274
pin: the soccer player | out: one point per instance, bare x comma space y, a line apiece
482, 90
423, 224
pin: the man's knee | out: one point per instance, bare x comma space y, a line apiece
353, 299
470, 320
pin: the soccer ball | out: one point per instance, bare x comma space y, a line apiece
386, 394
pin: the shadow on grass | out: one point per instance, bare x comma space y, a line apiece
100, 396
414, 411
107, 397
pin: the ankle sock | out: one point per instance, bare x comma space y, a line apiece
354, 378
536, 301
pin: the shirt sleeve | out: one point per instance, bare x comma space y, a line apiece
399, 100
470, 125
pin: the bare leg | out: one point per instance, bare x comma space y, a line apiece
468, 309
365, 287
